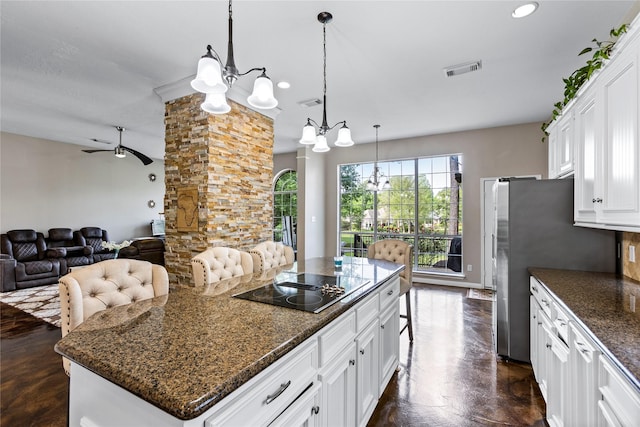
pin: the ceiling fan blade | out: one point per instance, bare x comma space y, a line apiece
95, 151
101, 141
144, 159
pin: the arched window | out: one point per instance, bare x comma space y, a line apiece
285, 207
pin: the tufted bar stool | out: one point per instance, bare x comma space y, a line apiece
267, 255
219, 263
400, 252
107, 284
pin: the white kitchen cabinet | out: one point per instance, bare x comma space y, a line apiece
558, 394
338, 389
607, 149
561, 140
367, 373
534, 335
583, 362
587, 156
389, 344
303, 412
619, 403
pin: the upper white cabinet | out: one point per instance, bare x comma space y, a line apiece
605, 128
561, 151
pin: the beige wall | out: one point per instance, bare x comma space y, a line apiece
46, 184
502, 151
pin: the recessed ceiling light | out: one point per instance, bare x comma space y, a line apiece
284, 85
524, 10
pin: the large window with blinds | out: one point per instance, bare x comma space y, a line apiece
422, 205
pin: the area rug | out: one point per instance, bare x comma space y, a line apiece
42, 302
482, 294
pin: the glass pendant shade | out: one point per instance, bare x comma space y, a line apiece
321, 144
262, 96
344, 137
209, 77
308, 134
120, 153
215, 103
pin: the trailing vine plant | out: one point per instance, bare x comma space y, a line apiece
573, 83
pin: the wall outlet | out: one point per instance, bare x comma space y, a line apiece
632, 253
469, 267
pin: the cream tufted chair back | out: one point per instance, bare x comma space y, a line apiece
400, 252
267, 255
107, 284
219, 263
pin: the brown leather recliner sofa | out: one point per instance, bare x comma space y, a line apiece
28, 259
30, 263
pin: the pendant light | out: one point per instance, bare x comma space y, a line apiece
309, 134
210, 75
377, 180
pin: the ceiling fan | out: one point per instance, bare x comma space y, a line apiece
120, 150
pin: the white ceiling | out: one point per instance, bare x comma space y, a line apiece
71, 70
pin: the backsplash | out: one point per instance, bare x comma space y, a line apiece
631, 269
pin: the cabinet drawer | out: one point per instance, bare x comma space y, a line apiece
333, 338
618, 396
541, 296
257, 402
366, 312
389, 293
561, 322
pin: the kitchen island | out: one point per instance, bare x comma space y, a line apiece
192, 356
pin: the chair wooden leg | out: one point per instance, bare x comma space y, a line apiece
409, 323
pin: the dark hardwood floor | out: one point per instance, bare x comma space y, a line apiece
450, 376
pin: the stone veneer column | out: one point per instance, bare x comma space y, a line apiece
229, 158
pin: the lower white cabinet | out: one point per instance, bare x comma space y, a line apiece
583, 355
558, 406
304, 412
579, 382
389, 344
338, 380
367, 373
619, 404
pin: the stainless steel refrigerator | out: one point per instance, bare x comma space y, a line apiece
534, 228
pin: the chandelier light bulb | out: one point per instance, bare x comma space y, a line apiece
215, 103
209, 77
344, 137
321, 144
308, 134
262, 96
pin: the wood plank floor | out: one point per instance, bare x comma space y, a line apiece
450, 376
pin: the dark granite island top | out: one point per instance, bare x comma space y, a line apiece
185, 351
602, 302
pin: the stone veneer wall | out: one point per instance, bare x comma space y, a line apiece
229, 158
631, 269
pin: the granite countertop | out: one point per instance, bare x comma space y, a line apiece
603, 303
185, 351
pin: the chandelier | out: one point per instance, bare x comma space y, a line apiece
209, 80
309, 134
377, 180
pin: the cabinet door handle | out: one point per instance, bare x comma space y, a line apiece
390, 292
548, 345
352, 362
362, 351
274, 396
381, 326
315, 410
534, 289
539, 323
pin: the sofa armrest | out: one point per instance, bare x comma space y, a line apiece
7, 273
57, 252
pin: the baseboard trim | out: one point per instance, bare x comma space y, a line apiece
444, 282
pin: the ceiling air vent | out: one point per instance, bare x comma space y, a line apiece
310, 102
468, 67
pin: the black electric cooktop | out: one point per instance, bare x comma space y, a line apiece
307, 292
